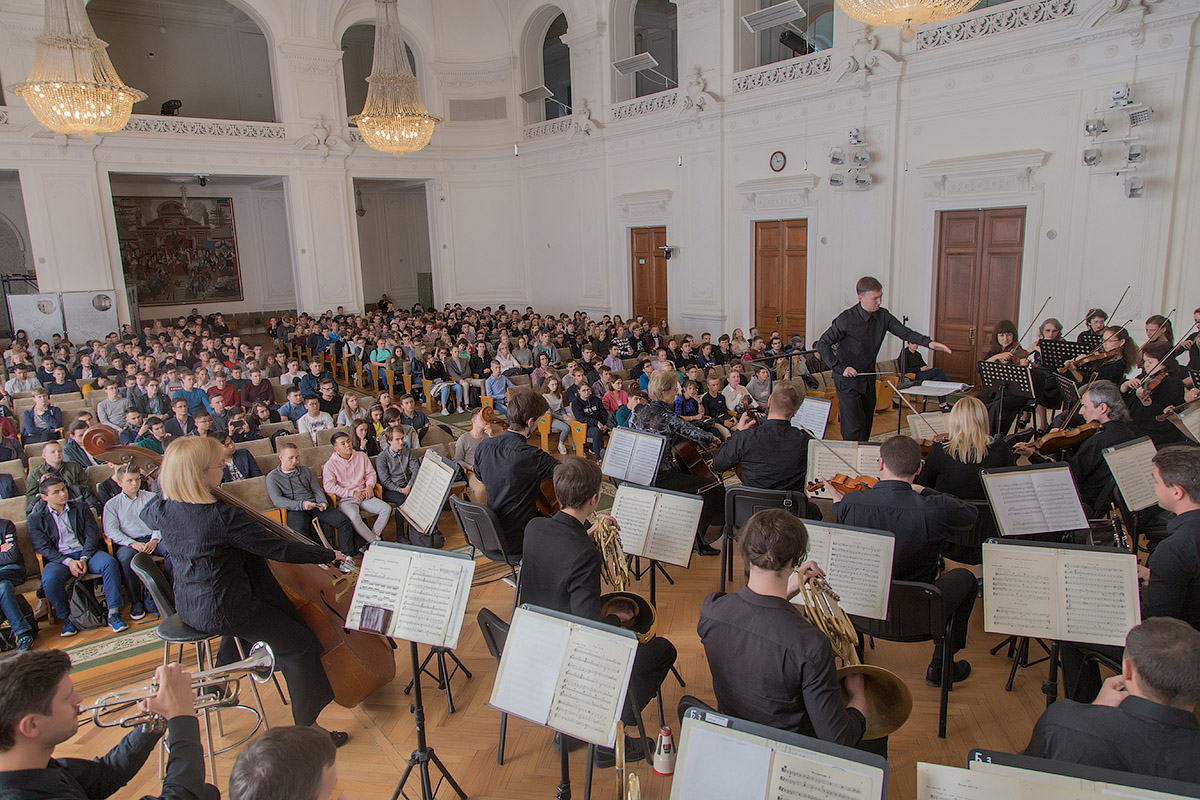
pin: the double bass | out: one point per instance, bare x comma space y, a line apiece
357, 664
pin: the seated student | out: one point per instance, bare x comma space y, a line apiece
396, 468
953, 466
760, 385
1100, 402
181, 423
715, 408
922, 521
239, 463
464, 453
22, 380
219, 414
42, 422
330, 400
643, 374
349, 476
65, 533
40, 710
124, 527
134, 428
293, 488
61, 383
734, 393
154, 402
12, 575
587, 409
239, 426
772, 453
412, 417
561, 571
558, 405
225, 390
197, 398
496, 387
261, 414
512, 470
294, 408
1142, 721
257, 390
314, 418
156, 437
294, 762
616, 396
351, 411
73, 450
911, 362
687, 405
769, 664
310, 382
55, 464
203, 424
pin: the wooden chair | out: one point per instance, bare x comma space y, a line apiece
325, 437
17, 470
301, 440
271, 428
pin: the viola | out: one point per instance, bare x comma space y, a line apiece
1171, 412
1145, 392
357, 664
843, 484
1055, 441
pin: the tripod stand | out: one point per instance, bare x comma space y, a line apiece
421, 757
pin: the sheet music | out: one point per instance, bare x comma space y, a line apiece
1190, 420
714, 766
1071, 787
826, 459
632, 457
858, 566
868, 459
434, 597
380, 583
1099, 598
808, 777
928, 425
424, 503
530, 666
813, 416
673, 528
591, 687
944, 387
1019, 591
937, 782
1034, 500
632, 508
1132, 468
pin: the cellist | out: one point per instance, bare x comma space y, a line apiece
223, 585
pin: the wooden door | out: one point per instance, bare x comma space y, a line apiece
978, 282
780, 276
649, 270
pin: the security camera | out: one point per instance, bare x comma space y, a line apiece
668, 251
202, 179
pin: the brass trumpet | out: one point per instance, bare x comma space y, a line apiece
889, 700
259, 665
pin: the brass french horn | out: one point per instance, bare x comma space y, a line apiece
614, 571
889, 700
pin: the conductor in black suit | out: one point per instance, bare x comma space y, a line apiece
561, 571
851, 345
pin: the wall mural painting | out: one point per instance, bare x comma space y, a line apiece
178, 251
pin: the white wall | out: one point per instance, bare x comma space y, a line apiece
393, 240
19, 259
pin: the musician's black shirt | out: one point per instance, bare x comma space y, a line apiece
854, 339
561, 567
1174, 588
773, 455
947, 474
1145, 418
1138, 736
1088, 467
512, 470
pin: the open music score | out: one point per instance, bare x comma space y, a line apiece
412, 593
826, 459
425, 500
1132, 467
928, 424
656, 523
1040, 498
721, 757
565, 672
1188, 421
937, 782
1071, 593
633, 456
857, 564
813, 416
1070, 780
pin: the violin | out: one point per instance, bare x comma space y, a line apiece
1171, 412
1145, 392
843, 484
1056, 441
1095, 359
927, 444
357, 664
746, 407
1018, 353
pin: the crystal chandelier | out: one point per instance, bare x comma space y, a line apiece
393, 120
905, 14
73, 87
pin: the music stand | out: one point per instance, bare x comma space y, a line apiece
1056, 352
1091, 339
1006, 378
1194, 374
424, 754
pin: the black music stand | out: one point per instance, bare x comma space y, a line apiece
424, 754
1194, 374
1091, 339
1005, 378
1056, 352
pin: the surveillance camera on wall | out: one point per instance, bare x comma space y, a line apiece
668, 251
1094, 127
1092, 156
1134, 186
202, 179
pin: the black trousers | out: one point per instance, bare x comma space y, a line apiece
1084, 687
959, 589
651, 664
348, 540
856, 411
676, 480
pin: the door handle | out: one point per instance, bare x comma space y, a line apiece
972, 334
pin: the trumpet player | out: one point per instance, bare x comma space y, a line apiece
561, 571
39, 710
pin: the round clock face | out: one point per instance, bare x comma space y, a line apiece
778, 161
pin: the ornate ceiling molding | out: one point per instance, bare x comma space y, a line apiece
306, 59
999, 173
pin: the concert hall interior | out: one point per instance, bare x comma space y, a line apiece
769, 398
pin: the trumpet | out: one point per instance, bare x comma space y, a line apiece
226, 681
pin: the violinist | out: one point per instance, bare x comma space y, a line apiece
953, 467
1149, 394
1191, 344
1005, 350
1044, 383
1097, 319
1118, 355
1100, 402
222, 583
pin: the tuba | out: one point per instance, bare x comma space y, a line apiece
614, 570
889, 700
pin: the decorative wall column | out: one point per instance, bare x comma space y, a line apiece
324, 239
589, 69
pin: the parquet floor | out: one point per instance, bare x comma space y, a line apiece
981, 713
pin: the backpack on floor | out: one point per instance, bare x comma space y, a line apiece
86, 611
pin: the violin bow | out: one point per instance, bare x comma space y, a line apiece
1162, 364
1114, 312
1103, 341
911, 408
835, 453
1035, 318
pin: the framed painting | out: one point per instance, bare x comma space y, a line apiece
177, 250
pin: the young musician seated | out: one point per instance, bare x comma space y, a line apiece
561, 571
953, 466
512, 470
769, 664
39, 710
1143, 720
1100, 402
285, 763
911, 362
923, 521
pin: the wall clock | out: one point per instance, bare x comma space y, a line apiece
778, 161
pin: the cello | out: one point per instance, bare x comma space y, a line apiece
357, 664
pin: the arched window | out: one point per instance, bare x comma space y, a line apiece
556, 68
656, 31
208, 54
358, 53
809, 34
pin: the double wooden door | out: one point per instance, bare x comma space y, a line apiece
780, 276
649, 270
978, 282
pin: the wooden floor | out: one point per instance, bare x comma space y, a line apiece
382, 736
